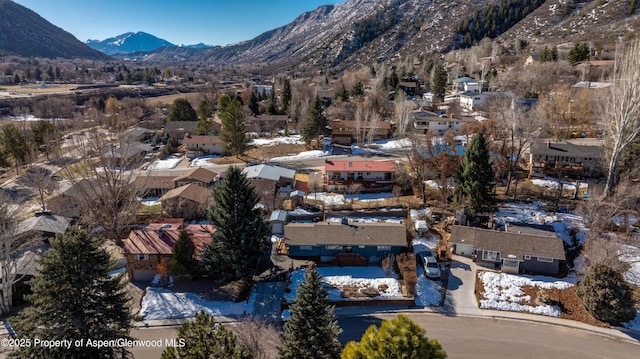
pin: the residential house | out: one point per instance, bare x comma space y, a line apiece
128, 156
199, 176
179, 129
270, 181
565, 159
424, 121
190, 201
266, 123
145, 249
72, 199
157, 186
196, 145
410, 88
44, 224
515, 250
154, 186
346, 132
371, 175
323, 241
465, 84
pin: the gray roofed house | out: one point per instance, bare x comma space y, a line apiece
284, 176
324, 240
46, 223
518, 249
565, 159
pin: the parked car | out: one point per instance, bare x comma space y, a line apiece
431, 268
427, 253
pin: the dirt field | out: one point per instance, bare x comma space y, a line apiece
167, 100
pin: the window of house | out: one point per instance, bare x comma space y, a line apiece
384, 248
510, 263
334, 247
527, 256
368, 173
491, 256
361, 247
142, 257
305, 248
545, 259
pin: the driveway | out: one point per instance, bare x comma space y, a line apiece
460, 298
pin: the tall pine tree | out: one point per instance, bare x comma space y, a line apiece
474, 179
204, 338
74, 297
233, 128
312, 331
286, 96
316, 123
254, 107
182, 262
241, 232
439, 83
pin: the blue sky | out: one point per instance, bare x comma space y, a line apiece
213, 22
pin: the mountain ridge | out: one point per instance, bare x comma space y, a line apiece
129, 42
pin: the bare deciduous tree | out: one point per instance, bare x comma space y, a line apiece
13, 247
259, 336
402, 116
620, 120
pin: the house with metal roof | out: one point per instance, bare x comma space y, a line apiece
282, 176
323, 241
516, 249
145, 249
374, 175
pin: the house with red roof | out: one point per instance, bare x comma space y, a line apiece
370, 175
145, 249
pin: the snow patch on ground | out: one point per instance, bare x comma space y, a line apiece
359, 277
166, 164
380, 146
282, 140
367, 219
631, 255
554, 184
427, 291
161, 303
301, 155
332, 199
203, 161
503, 292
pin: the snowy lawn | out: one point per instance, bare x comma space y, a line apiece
168, 163
553, 184
294, 140
380, 146
337, 279
503, 291
161, 303
301, 155
332, 199
203, 161
150, 201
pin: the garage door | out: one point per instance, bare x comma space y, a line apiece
143, 275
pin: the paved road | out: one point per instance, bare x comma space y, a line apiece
470, 337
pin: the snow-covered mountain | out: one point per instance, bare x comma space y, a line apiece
128, 42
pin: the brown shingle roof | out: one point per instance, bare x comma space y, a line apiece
323, 233
510, 243
155, 241
199, 174
149, 182
191, 191
201, 140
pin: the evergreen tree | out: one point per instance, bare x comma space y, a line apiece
312, 331
474, 179
254, 106
233, 132
16, 144
286, 96
316, 123
357, 89
182, 260
606, 295
204, 113
396, 338
241, 232
181, 110
45, 137
75, 297
206, 339
439, 83
342, 94
579, 52
272, 104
